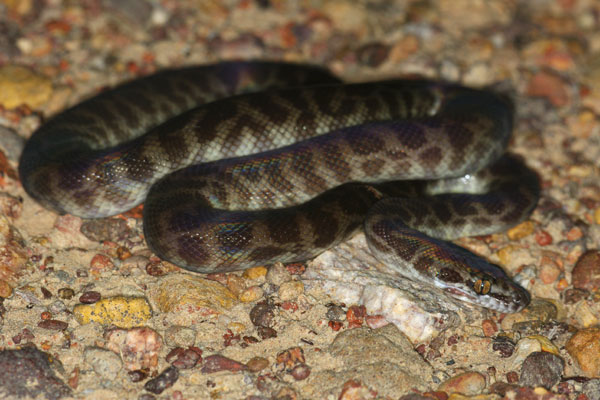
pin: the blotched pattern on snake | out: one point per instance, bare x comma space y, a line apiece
231, 179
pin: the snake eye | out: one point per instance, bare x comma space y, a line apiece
482, 287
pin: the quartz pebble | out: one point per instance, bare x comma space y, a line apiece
138, 347
105, 363
468, 384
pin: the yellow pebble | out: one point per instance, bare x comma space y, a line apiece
124, 312
21, 85
251, 294
5, 289
505, 253
546, 344
255, 272
597, 215
520, 231
236, 327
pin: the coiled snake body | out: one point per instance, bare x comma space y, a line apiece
232, 181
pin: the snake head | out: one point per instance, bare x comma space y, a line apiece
496, 293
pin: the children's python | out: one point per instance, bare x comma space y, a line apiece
234, 180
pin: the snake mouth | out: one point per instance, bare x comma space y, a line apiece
495, 301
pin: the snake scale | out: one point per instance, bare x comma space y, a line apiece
247, 163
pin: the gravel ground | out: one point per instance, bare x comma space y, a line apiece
86, 311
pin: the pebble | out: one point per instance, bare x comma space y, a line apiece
11, 142
53, 325
137, 375
586, 273
262, 314
5, 289
105, 363
524, 348
300, 372
101, 229
288, 359
251, 294
181, 336
266, 333
184, 358
256, 364
373, 54
138, 347
335, 313
585, 315
468, 384
278, 274
163, 381
356, 390
121, 311
66, 293
184, 292
504, 346
591, 389
521, 230
101, 263
255, 273
22, 86
28, 373
235, 284
541, 369
584, 347
290, 290
217, 362
549, 86
90, 297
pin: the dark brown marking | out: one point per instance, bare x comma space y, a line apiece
449, 275
282, 231
411, 135
373, 167
431, 157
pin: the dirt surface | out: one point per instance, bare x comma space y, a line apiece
111, 321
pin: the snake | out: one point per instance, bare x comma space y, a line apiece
246, 163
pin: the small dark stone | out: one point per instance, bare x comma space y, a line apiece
163, 381
300, 372
155, 269
146, 396
573, 295
138, 375
216, 363
186, 359
99, 230
66, 293
586, 273
266, 332
262, 314
373, 54
336, 313
541, 368
414, 396
53, 324
46, 293
503, 346
27, 373
90, 297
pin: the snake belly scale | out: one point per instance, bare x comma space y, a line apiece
247, 163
